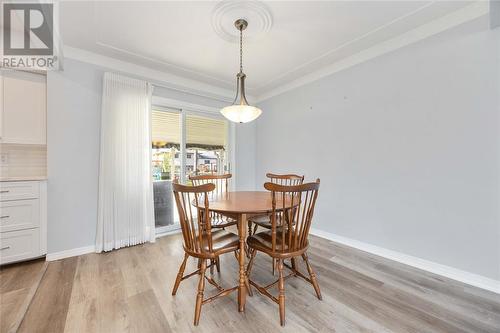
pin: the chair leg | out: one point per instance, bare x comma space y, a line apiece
217, 264
212, 262
180, 274
281, 287
312, 275
247, 285
199, 296
249, 270
253, 253
246, 250
294, 263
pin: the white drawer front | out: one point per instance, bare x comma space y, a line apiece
19, 245
19, 190
19, 215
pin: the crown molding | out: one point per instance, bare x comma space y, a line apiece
197, 88
460, 16
156, 77
168, 66
282, 76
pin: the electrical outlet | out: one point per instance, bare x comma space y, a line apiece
4, 159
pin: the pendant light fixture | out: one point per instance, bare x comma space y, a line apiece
240, 111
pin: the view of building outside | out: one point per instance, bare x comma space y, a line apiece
206, 146
205, 153
167, 162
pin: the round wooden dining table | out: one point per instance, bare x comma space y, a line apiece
240, 205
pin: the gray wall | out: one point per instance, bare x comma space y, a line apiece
406, 146
245, 156
73, 127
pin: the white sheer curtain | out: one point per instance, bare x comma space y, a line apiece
125, 208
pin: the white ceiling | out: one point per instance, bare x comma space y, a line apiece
288, 39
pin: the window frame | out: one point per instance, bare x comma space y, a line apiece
184, 109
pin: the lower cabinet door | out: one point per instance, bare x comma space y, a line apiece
19, 214
19, 245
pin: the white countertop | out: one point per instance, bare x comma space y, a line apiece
22, 178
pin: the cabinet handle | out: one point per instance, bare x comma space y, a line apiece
4, 216
5, 248
4, 191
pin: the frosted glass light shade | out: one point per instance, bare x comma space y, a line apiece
241, 113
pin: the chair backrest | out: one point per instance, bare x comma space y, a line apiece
195, 222
221, 182
288, 179
290, 226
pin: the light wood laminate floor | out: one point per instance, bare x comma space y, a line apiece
129, 291
18, 284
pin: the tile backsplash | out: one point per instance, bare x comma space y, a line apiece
19, 160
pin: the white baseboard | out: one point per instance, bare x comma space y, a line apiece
443, 270
70, 253
90, 249
168, 233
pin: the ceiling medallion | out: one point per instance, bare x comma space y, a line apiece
226, 13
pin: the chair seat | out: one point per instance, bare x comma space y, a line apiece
222, 241
220, 221
263, 241
261, 220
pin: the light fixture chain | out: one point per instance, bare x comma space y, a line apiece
241, 50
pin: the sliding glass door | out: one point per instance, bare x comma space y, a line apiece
183, 143
166, 128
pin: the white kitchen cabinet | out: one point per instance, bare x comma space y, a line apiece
23, 109
23, 220
19, 190
19, 214
19, 245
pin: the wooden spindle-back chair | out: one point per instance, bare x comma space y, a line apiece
264, 221
288, 237
222, 184
287, 180
199, 240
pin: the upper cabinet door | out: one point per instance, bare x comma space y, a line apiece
24, 112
